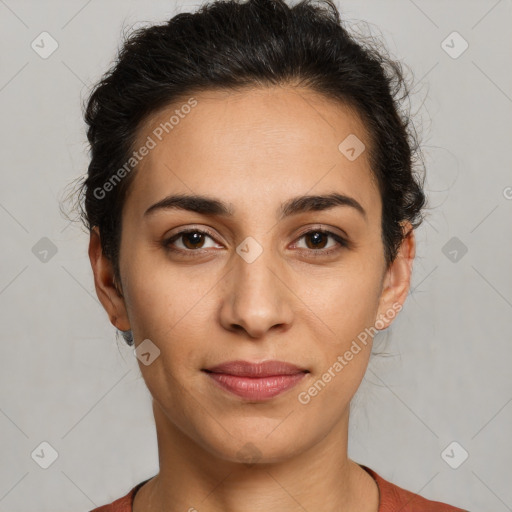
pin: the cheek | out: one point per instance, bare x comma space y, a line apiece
343, 305
344, 315
170, 309
163, 301
173, 310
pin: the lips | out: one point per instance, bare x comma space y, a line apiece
263, 369
256, 381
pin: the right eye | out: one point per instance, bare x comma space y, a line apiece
191, 240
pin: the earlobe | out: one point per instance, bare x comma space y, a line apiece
397, 280
107, 289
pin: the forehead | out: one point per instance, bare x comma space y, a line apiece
260, 145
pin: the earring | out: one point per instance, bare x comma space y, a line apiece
127, 335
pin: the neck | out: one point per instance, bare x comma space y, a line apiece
193, 479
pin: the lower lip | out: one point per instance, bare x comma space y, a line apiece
256, 388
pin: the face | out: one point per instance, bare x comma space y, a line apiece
257, 276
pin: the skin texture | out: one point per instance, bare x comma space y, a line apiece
253, 150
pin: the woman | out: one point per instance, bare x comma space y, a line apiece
251, 201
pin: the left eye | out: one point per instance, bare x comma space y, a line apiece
317, 239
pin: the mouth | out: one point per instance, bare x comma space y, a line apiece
256, 381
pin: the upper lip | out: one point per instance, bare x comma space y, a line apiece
263, 369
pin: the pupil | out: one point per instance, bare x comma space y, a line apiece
317, 238
192, 239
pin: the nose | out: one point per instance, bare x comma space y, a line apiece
256, 298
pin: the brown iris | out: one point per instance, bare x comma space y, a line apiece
316, 236
190, 240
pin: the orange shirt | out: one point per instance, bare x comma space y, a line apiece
391, 499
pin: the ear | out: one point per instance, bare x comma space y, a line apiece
397, 280
104, 281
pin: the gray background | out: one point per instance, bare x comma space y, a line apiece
66, 380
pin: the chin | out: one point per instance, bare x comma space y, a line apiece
252, 446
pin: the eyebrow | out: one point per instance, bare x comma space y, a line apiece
210, 206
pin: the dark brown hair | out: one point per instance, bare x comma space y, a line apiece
231, 45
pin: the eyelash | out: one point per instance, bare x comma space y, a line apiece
343, 243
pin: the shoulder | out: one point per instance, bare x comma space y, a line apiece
392, 496
123, 504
